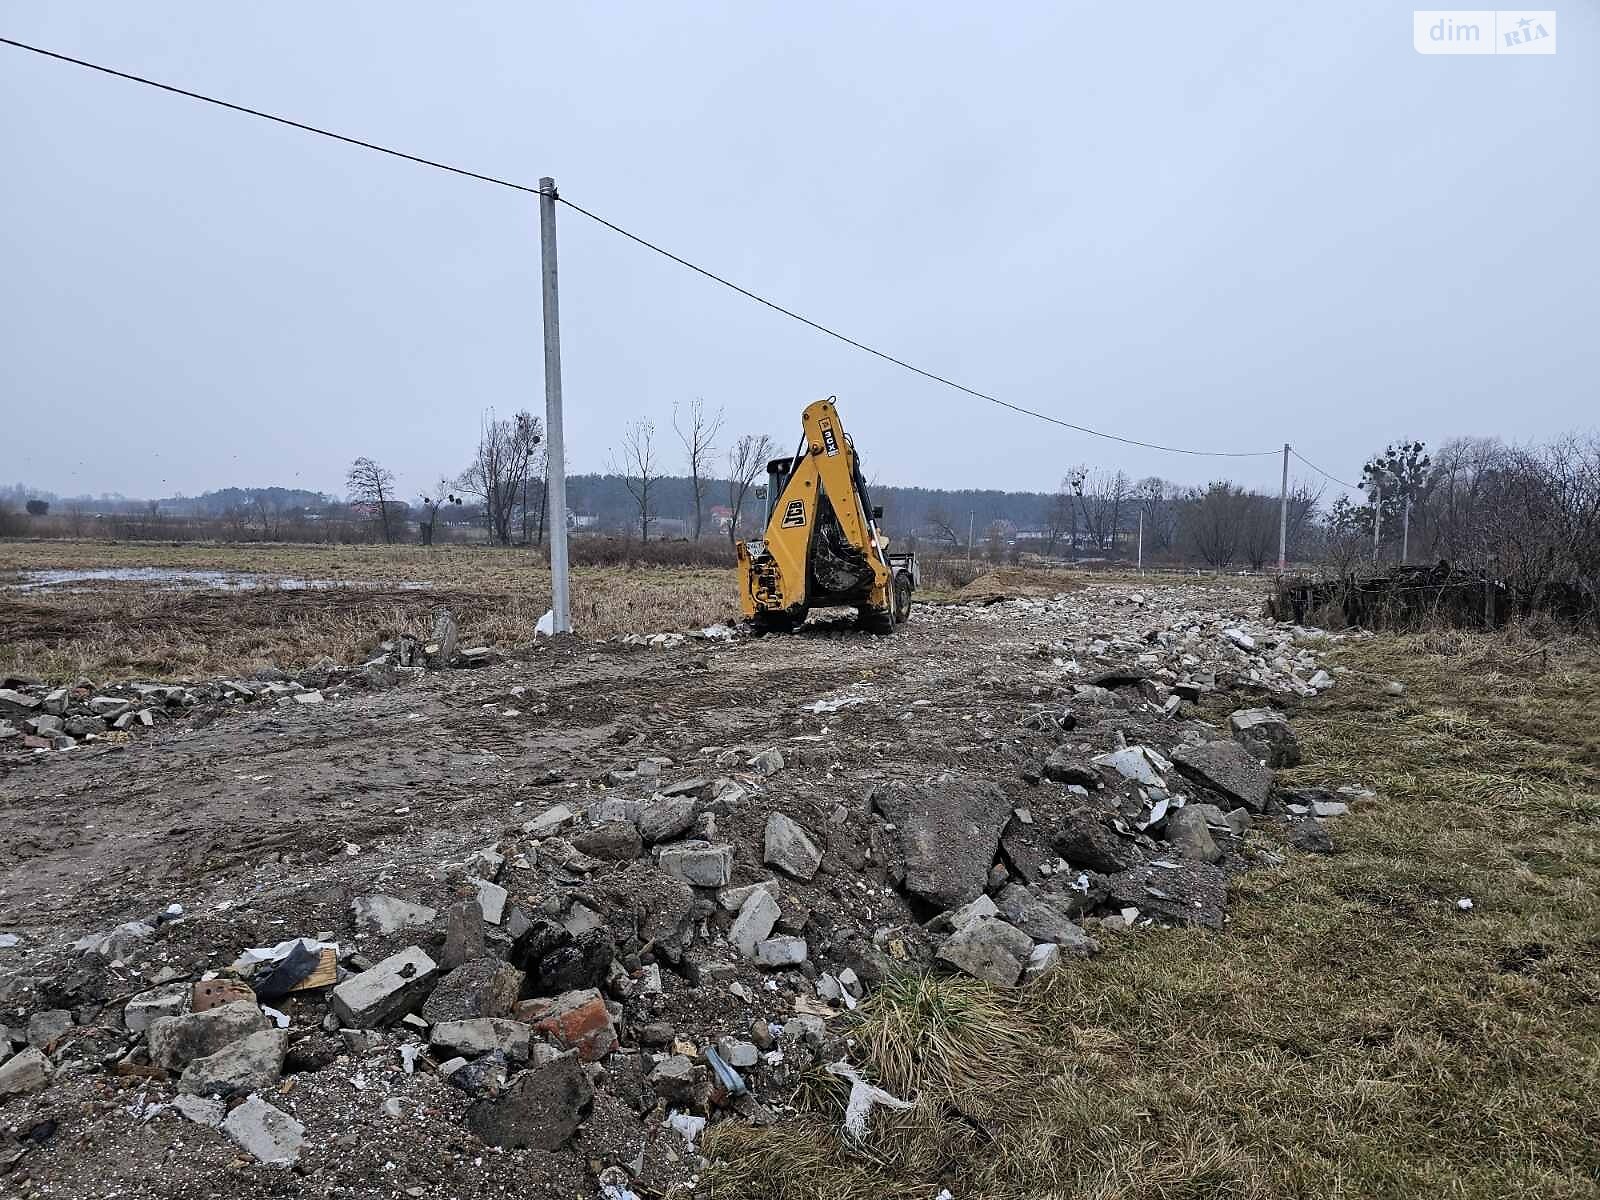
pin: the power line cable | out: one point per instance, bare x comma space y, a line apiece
900, 362
1354, 487
746, 292
266, 116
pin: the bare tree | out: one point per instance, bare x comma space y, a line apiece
442, 497
1345, 537
498, 472
269, 513
1060, 515
939, 521
1104, 494
639, 469
994, 541
1158, 501
746, 461
372, 487
1214, 522
1258, 538
699, 447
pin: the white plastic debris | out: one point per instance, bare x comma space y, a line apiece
863, 1096
717, 633
279, 1019
408, 1057
687, 1126
1138, 763
1464, 904
829, 706
547, 625
255, 955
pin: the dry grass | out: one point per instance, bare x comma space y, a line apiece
137, 630
1351, 1032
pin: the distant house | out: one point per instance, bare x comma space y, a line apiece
722, 517
577, 520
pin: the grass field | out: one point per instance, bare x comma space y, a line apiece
136, 629
1351, 1032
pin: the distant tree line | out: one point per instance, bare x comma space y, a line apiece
1528, 514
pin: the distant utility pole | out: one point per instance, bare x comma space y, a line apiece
1283, 514
1377, 514
972, 516
555, 451
1141, 541
1405, 534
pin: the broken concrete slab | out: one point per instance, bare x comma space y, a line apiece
1064, 767
463, 934
699, 864
491, 900
1044, 917
948, 830
1194, 894
47, 1027
269, 1134
781, 952
1186, 829
665, 819
1228, 768
1265, 733
1086, 840
28, 1071
613, 841
389, 914
480, 1035
757, 915
789, 848
1044, 958
479, 987
177, 1041
202, 1110
252, 1064
168, 1000
988, 949
551, 821
540, 1110
386, 992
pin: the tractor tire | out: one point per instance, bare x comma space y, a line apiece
901, 598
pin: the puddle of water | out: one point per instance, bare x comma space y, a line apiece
189, 578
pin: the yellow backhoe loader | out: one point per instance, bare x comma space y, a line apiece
822, 547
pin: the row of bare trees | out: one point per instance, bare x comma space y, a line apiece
639, 463
1528, 516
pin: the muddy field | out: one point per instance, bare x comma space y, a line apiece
268, 820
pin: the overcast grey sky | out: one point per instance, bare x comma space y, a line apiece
1222, 226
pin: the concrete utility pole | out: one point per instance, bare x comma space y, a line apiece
1405, 534
555, 449
1141, 541
1283, 514
971, 519
1377, 514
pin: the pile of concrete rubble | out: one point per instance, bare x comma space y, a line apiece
38, 716
672, 946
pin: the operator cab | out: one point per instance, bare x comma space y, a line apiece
778, 472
